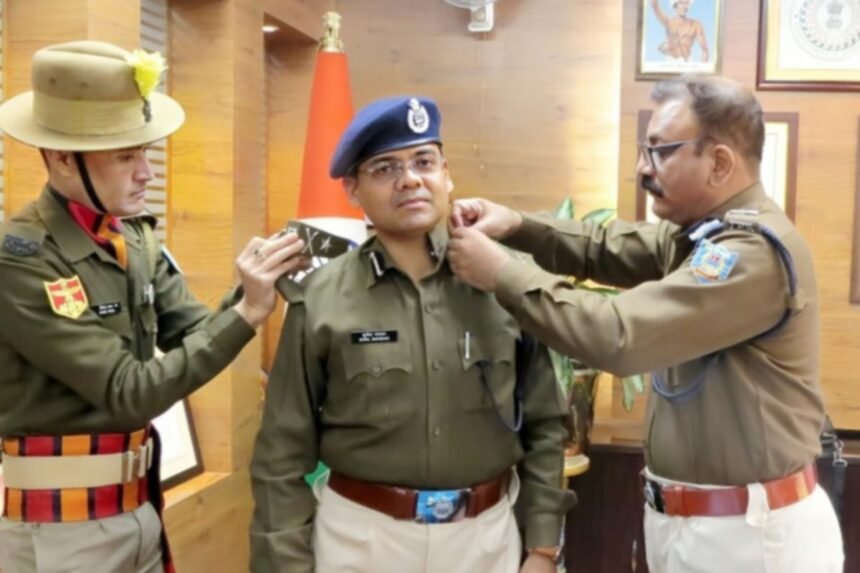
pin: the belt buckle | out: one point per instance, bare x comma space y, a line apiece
653, 495
441, 506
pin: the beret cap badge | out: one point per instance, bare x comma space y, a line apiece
417, 117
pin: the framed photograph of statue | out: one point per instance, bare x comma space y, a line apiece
778, 165
180, 453
811, 45
678, 36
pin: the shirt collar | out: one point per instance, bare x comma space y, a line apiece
378, 262
752, 195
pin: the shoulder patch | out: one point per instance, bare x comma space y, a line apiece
712, 262
21, 246
67, 297
21, 239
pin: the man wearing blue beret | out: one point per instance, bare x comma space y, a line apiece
435, 413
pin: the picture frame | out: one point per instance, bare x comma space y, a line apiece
855, 258
678, 36
180, 451
778, 166
808, 45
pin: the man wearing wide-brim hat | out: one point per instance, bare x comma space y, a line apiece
88, 295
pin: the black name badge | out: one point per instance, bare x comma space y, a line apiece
374, 336
107, 309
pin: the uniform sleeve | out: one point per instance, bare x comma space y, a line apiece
544, 500
658, 323
179, 312
285, 451
95, 362
620, 254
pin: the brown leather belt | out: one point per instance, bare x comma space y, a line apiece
402, 503
688, 502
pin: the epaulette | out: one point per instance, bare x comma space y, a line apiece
743, 220
22, 240
292, 291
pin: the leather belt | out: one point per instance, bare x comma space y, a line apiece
689, 501
423, 506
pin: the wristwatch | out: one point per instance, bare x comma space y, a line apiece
553, 553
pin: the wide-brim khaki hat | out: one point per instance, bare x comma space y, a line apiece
85, 98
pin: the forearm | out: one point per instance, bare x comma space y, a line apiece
618, 254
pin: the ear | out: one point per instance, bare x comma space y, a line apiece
350, 187
62, 162
725, 164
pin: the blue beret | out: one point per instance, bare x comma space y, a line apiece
385, 125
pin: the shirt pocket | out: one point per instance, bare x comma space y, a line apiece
491, 356
376, 385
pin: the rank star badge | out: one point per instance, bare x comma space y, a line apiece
67, 297
712, 262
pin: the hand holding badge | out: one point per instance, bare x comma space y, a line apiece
320, 248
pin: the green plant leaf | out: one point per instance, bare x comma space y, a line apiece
631, 386
599, 216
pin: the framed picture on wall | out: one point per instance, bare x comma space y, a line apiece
180, 453
855, 258
779, 159
678, 36
809, 45
778, 165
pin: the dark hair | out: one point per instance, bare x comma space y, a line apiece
727, 112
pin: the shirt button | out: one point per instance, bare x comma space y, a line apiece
436, 364
428, 308
376, 368
437, 430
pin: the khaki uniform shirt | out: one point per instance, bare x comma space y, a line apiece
410, 411
96, 373
760, 410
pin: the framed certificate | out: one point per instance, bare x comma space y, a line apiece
809, 45
180, 453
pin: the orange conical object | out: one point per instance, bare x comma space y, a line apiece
330, 112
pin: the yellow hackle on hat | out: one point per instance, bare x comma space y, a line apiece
92, 96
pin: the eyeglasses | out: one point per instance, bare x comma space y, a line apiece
391, 170
656, 154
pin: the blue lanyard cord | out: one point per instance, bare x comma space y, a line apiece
688, 391
518, 399
788, 262
658, 383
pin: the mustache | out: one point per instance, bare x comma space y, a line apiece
649, 184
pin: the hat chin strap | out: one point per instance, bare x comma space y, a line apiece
88, 183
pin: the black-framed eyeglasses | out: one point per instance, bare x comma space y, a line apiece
656, 154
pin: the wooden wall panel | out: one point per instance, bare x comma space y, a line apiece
289, 75
825, 188
529, 111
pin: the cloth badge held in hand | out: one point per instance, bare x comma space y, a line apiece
712, 262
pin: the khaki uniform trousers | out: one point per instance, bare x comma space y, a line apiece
803, 537
349, 537
125, 543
